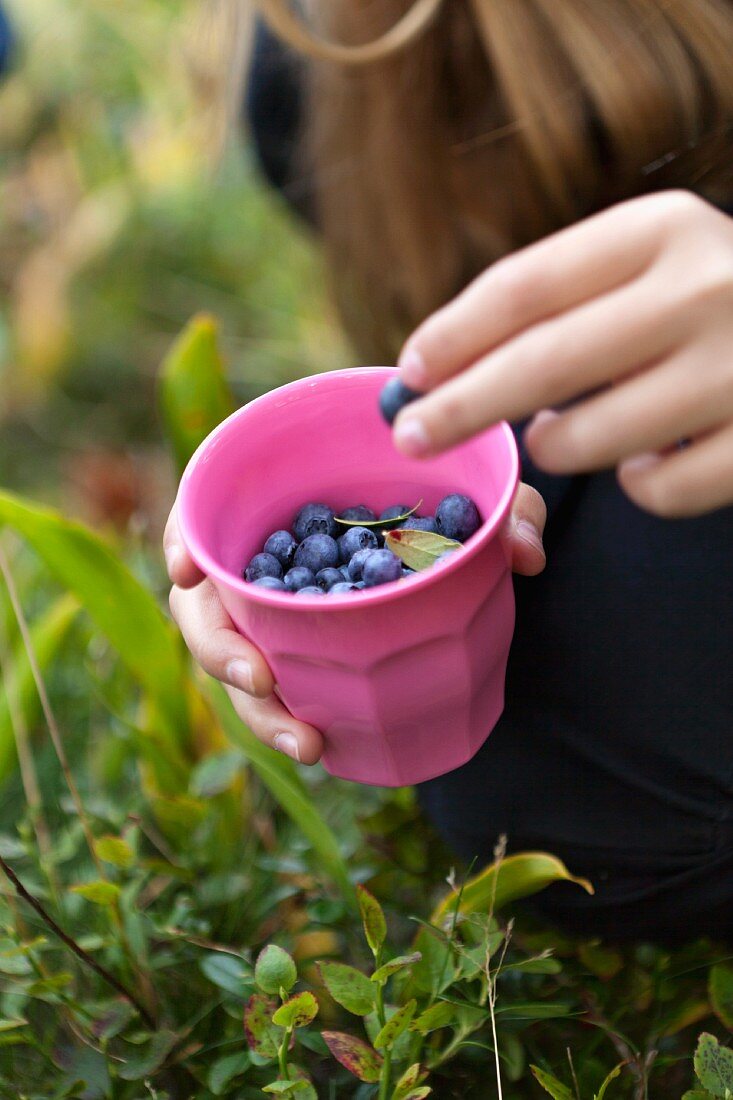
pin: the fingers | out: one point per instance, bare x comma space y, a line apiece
181, 569
275, 726
558, 273
215, 644
686, 482
548, 364
678, 399
523, 530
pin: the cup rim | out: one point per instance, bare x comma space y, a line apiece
380, 594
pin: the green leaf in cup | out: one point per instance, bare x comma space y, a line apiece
419, 549
383, 524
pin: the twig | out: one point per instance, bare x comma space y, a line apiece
572, 1071
74, 946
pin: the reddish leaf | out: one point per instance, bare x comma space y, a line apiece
375, 926
354, 1054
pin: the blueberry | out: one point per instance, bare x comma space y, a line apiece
282, 546
394, 511
317, 552
327, 578
356, 565
359, 585
457, 517
360, 513
342, 588
263, 565
314, 519
381, 567
356, 538
394, 396
299, 577
344, 571
409, 572
310, 590
420, 523
271, 582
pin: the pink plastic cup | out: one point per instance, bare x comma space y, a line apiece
405, 681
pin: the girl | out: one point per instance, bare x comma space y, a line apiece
524, 198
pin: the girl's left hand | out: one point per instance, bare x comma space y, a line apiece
629, 316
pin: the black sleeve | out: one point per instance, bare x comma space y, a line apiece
273, 112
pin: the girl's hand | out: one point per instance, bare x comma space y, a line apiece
629, 315
214, 642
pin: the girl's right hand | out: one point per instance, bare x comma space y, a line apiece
222, 652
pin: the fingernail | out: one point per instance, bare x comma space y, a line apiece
288, 744
172, 554
411, 438
529, 533
412, 366
239, 674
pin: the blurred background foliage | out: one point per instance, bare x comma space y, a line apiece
141, 816
129, 201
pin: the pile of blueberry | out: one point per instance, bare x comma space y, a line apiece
322, 556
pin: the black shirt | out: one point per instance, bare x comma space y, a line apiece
615, 749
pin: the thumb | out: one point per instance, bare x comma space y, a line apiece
523, 532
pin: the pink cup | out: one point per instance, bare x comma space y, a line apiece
407, 680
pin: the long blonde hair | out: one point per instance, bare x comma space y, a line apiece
445, 133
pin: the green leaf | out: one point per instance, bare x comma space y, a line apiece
546, 965
382, 524
395, 1026
438, 1015
275, 970
47, 637
354, 1054
119, 606
112, 1017
194, 395
297, 1011
409, 1080
550, 1084
101, 893
506, 881
223, 1071
227, 972
372, 918
285, 1088
714, 1065
216, 773
401, 962
419, 1094
348, 987
11, 1025
150, 1058
437, 967
115, 850
611, 1077
282, 780
419, 549
698, 1094
720, 987
263, 1037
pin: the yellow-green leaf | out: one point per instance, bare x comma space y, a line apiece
194, 394
394, 1027
382, 524
419, 549
101, 893
372, 918
297, 1011
115, 850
